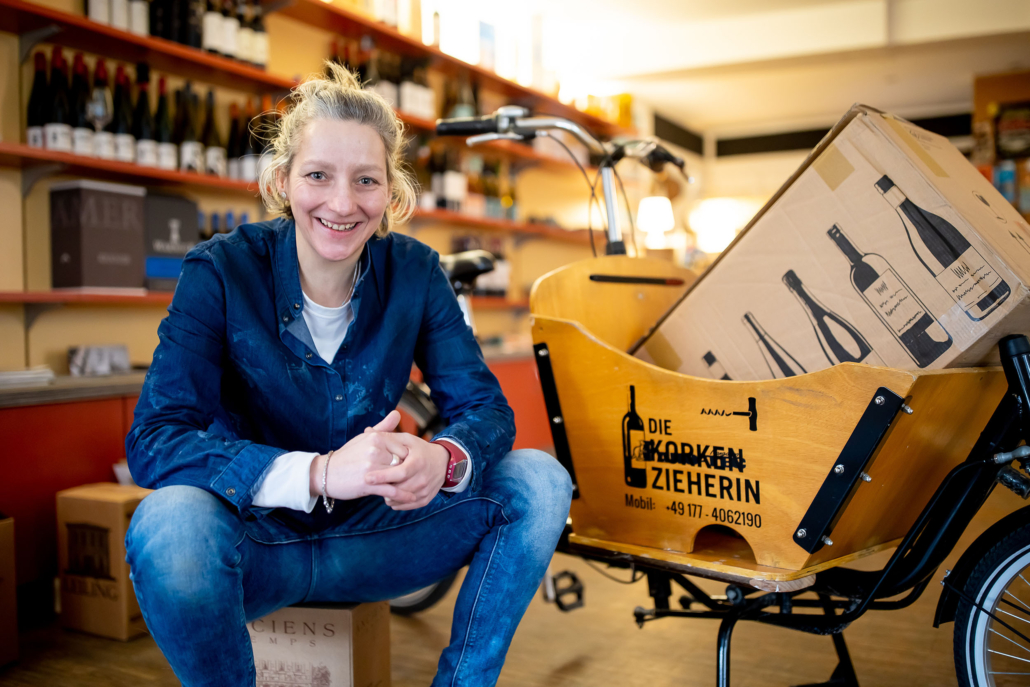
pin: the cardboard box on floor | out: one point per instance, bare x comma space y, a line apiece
329, 646
8, 594
886, 247
96, 593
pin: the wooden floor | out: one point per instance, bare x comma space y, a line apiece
592, 646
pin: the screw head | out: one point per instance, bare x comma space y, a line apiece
542, 353
556, 419
878, 400
839, 469
802, 533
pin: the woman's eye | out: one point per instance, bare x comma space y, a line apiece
367, 181
317, 176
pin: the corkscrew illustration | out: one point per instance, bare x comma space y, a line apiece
751, 413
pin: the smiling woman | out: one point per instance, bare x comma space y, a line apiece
266, 422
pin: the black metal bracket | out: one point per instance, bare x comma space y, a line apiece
812, 533
554, 414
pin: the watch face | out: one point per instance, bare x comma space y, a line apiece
459, 470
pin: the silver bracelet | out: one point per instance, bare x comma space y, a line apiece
329, 502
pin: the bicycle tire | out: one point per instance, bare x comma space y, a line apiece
1001, 568
419, 407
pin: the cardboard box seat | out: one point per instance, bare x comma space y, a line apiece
719, 476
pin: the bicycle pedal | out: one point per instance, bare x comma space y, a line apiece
566, 584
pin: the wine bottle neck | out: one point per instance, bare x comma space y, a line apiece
853, 255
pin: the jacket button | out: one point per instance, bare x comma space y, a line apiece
339, 397
230, 491
296, 305
308, 356
286, 318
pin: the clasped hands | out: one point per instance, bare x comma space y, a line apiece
366, 465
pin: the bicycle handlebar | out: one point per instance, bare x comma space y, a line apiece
466, 126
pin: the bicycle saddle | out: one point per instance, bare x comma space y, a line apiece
463, 268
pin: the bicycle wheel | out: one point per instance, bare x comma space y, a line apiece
987, 653
420, 417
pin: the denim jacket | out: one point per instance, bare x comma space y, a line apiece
236, 381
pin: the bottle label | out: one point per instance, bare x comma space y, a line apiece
260, 48
264, 161
146, 153
234, 168
212, 31
120, 14
100, 10
167, 156
191, 156
244, 44
893, 302
139, 17
249, 167
969, 278
103, 145
34, 136
124, 148
230, 25
82, 141
214, 161
58, 137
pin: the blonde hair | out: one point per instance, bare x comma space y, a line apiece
337, 96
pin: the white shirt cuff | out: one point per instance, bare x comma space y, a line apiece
286, 484
467, 477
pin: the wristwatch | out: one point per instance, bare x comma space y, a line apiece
456, 466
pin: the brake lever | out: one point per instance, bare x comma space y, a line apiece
486, 138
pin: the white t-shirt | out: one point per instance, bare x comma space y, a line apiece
286, 483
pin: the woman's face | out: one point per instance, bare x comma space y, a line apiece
337, 187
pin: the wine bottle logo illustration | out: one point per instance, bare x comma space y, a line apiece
633, 444
840, 341
947, 255
781, 363
715, 368
900, 311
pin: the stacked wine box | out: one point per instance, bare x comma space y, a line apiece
887, 247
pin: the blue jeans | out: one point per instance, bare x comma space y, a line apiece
201, 572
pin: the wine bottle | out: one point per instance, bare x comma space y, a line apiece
211, 28
245, 35
103, 138
902, 313
39, 104
633, 444
230, 222
230, 28
248, 145
715, 368
205, 230
167, 152
193, 24
781, 363
121, 125
159, 24
120, 14
946, 254
99, 11
233, 149
139, 17
191, 151
82, 130
259, 46
840, 341
143, 129
214, 149
57, 132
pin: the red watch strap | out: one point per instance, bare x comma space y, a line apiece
457, 456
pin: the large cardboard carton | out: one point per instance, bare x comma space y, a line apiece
346, 645
171, 230
8, 594
96, 234
96, 593
886, 247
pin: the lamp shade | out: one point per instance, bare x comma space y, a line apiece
655, 215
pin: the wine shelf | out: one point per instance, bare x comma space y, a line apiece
344, 22
503, 225
79, 33
86, 297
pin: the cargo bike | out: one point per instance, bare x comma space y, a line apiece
774, 487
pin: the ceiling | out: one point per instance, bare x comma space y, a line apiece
741, 67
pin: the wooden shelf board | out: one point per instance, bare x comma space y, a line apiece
19, 155
503, 225
348, 23
80, 33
